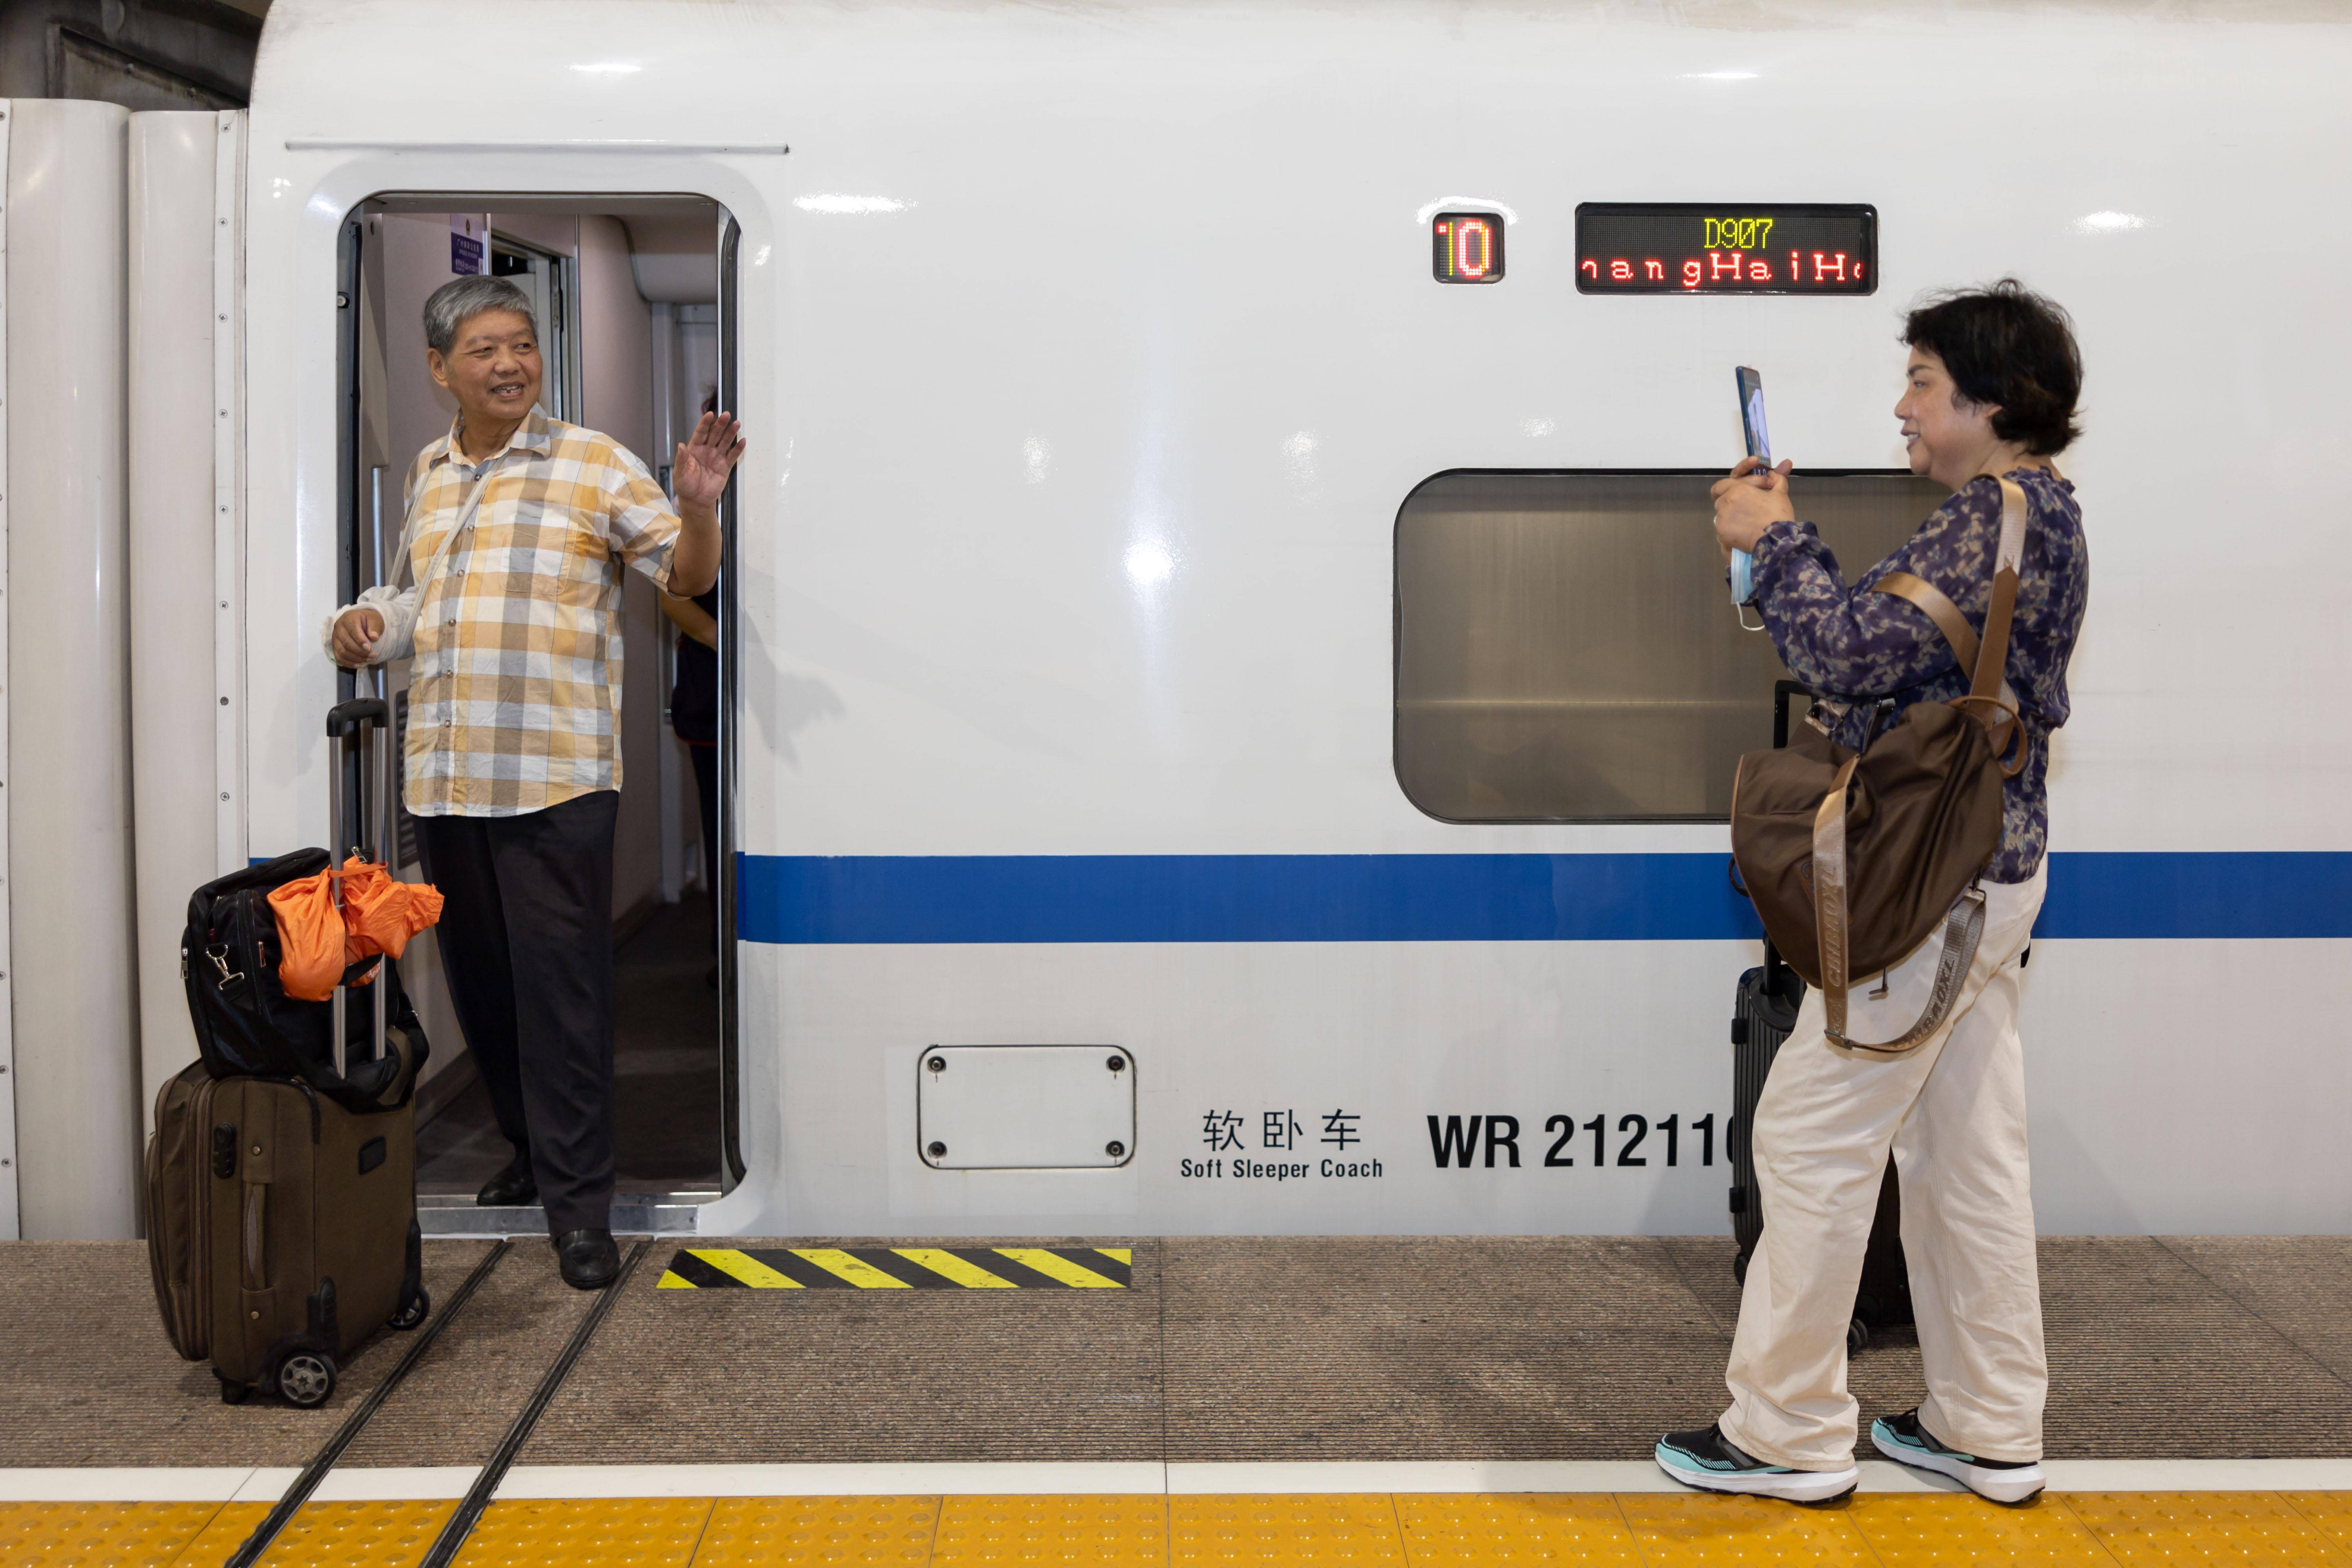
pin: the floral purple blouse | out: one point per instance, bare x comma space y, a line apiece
1855, 647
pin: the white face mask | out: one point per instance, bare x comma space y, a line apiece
1743, 586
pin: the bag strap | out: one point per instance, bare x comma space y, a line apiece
1986, 662
1941, 610
441, 552
1962, 929
1992, 662
1991, 700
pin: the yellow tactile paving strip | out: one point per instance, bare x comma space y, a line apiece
820, 1532
629, 1532
51, 1534
2260, 1529
1343, 1531
325, 1535
1051, 1533
1645, 1529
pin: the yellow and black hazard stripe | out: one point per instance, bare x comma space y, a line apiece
900, 1269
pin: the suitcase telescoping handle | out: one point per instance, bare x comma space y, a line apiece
359, 713
369, 718
1782, 690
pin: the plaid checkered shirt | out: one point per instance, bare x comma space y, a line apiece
514, 696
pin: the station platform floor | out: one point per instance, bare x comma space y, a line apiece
1126, 1402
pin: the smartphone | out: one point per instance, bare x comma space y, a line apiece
1751, 415
1760, 447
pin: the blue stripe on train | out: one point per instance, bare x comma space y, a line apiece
1457, 898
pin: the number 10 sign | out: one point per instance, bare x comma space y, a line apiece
1466, 247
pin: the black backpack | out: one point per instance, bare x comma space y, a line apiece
247, 1027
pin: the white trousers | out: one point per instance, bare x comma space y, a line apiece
1953, 1111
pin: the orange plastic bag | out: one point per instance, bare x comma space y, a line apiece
381, 914
309, 939
320, 942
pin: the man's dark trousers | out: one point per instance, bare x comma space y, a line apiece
526, 939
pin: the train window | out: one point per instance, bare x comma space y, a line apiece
1566, 650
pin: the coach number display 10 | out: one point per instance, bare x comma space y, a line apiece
1466, 247
1689, 248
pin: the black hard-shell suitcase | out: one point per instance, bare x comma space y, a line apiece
281, 1205
1763, 1016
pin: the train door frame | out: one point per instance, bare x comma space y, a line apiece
721, 876
379, 529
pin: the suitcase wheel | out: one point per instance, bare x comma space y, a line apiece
1857, 1334
306, 1378
233, 1393
413, 1315
1739, 1268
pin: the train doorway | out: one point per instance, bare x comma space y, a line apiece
633, 334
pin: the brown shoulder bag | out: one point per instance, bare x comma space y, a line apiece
1854, 858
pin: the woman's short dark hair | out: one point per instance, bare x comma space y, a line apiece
2008, 347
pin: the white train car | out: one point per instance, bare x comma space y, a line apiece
1227, 724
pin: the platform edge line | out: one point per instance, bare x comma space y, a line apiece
1114, 1478
121, 1483
397, 1483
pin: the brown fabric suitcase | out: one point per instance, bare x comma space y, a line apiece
281, 1222
283, 1228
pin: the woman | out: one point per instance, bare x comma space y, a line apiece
1991, 390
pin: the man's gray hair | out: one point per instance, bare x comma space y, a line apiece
460, 299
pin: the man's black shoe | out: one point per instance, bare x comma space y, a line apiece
512, 1187
587, 1258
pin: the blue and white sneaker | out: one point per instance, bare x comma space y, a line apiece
1707, 1460
1904, 1440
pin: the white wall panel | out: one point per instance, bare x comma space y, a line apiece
175, 689
68, 786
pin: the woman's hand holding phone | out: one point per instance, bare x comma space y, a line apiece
1748, 501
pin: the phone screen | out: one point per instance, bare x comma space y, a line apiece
1751, 415
1760, 447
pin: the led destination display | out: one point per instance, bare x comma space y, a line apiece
1691, 247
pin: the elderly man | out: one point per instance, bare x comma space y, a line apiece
508, 601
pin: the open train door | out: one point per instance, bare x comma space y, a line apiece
635, 333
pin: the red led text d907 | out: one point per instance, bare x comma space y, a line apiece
1466, 247
1687, 247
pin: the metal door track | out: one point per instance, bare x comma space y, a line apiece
447, 1214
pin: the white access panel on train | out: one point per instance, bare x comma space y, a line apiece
1024, 1107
